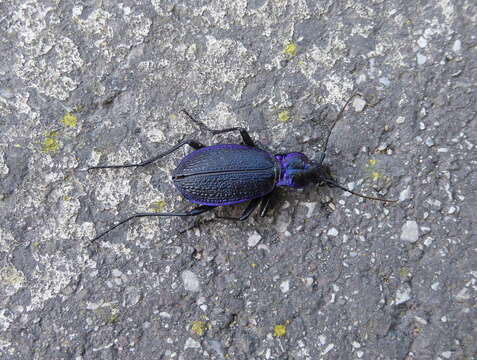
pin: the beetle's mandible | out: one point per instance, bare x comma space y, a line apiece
229, 174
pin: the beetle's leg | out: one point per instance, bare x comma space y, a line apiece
244, 133
192, 143
194, 212
265, 204
252, 205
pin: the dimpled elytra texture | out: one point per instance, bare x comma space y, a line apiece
226, 174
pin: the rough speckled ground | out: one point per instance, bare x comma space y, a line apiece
326, 275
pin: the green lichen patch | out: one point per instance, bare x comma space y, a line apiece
290, 49
50, 143
199, 327
70, 120
284, 116
373, 172
279, 330
158, 206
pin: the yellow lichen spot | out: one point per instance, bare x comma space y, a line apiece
404, 272
375, 175
158, 206
70, 120
290, 49
253, 265
199, 327
173, 117
280, 330
372, 162
284, 116
50, 144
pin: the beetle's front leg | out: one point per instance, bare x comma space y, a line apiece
243, 132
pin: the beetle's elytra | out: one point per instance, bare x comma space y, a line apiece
229, 174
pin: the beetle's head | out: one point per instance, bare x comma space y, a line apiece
298, 171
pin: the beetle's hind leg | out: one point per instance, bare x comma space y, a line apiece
243, 132
194, 212
192, 143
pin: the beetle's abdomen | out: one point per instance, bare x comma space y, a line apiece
226, 174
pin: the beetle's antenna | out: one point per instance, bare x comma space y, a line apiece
335, 184
338, 117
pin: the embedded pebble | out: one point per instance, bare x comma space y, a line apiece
457, 46
405, 194
447, 354
400, 119
191, 344
285, 286
421, 59
254, 239
332, 232
359, 104
190, 281
429, 142
403, 294
410, 231
422, 42
311, 208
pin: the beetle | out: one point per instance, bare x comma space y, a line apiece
228, 174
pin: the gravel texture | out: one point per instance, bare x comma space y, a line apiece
325, 275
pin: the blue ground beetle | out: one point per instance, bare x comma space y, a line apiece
229, 174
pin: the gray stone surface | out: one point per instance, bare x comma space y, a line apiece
324, 276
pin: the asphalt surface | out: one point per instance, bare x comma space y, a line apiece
325, 275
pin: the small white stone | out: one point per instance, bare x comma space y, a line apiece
420, 320
434, 202
400, 119
444, 319
359, 354
422, 126
308, 281
322, 339
385, 81
457, 46
428, 241
332, 232
356, 344
403, 294
435, 286
463, 295
429, 142
254, 239
116, 273
285, 286
405, 194
191, 344
443, 150
359, 104
422, 42
447, 354
311, 208
361, 78
425, 229
328, 349
410, 231
190, 281
452, 210
421, 59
